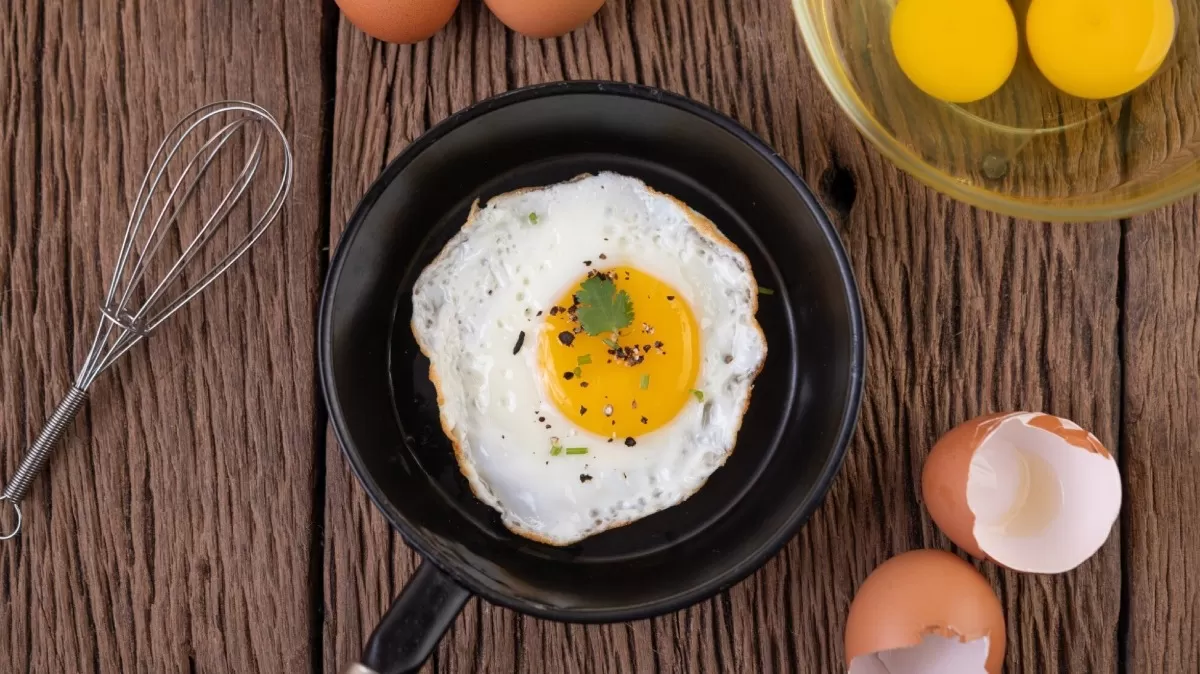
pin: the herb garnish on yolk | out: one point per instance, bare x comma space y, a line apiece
607, 363
602, 308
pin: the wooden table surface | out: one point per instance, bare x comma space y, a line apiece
200, 518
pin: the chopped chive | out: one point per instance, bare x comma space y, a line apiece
585, 359
645, 382
533, 218
765, 291
555, 450
612, 344
578, 371
699, 394
577, 450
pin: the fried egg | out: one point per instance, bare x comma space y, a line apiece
594, 345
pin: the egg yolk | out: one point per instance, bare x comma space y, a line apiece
955, 50
629, 391
1099, 48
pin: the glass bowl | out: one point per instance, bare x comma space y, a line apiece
1028, 150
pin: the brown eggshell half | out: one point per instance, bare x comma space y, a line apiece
944, 479
924, 592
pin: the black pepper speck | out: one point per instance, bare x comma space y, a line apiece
629, 442
566, 338
584, 477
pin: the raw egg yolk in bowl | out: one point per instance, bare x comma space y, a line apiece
1099, 48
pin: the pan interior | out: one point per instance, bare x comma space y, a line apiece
792, 436
415, 400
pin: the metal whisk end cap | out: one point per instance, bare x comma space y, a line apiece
16, 527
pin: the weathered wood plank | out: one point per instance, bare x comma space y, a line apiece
966, 313
172, 531
1160, 445
1160, 440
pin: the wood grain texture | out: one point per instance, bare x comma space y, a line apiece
172, 530
180, 526
966, 313
1159, 445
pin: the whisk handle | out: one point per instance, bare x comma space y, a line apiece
35, 459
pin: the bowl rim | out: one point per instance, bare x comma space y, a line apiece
833, 75
413, 537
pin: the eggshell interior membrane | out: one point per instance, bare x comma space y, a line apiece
925, 612
1044, 493
934, 655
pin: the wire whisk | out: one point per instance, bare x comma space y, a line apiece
147, 285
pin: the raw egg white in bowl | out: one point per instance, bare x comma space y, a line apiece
594, 345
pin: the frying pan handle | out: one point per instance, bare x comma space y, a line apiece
413, 626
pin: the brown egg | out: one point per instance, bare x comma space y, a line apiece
399, 21
925, 612
1030, 491
544, 18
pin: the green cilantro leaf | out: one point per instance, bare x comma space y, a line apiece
699, 394
533, 218
602, 308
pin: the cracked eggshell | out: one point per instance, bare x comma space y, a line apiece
1030, 491
925, 612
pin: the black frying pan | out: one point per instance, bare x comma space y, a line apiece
384, 409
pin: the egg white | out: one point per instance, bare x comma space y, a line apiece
471, 304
